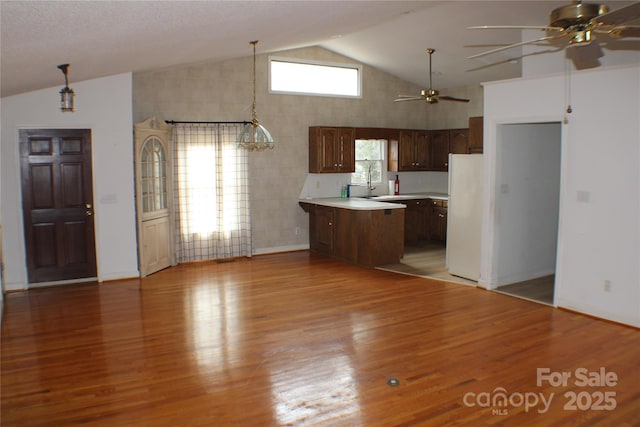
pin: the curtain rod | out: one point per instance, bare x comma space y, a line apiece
174, 122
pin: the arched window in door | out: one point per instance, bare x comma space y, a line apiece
153, 176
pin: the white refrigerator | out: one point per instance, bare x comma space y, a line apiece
464, 216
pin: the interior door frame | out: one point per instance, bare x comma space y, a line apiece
88, 199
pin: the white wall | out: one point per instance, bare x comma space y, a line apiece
528, 179
104, 106
599, 230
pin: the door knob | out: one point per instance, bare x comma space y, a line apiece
89, 210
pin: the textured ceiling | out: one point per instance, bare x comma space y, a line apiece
100, 38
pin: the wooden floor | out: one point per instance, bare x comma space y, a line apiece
299, 339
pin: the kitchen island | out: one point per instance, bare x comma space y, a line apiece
357, 230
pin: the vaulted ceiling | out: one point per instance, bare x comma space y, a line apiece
101, 38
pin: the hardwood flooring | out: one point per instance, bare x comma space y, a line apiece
299, 339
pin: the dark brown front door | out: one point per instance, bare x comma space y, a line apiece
57, 200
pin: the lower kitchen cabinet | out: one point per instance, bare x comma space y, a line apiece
438, 220
321, 235
425, 219
366, 237
416, 223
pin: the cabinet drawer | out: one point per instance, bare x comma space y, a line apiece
419, 202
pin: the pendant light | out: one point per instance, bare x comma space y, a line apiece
66, 94
254, 136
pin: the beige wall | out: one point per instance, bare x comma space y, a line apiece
223, 92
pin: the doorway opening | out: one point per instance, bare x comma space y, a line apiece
527, 203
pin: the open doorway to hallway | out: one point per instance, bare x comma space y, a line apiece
528, 170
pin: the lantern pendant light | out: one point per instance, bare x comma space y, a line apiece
66, 93
254, 136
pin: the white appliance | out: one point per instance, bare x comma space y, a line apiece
464, 216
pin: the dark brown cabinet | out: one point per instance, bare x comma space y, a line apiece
331, 149
321, 229
438, 220
476, 131
425, 219
459, 141
439, 150
416, 222
413, 151
365, 237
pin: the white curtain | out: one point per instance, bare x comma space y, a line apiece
211, 193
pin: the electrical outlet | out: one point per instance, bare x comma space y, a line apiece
607, 285
297, 231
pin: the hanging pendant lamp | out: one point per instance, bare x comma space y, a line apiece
254, 136
66, 93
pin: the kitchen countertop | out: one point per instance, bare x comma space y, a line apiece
412, 196
353, 203
374, 203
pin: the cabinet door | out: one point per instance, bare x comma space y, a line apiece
323, 227
321, 149
439, 149
438, 224
421, 150
406, 151
476, 130
459, 141
416, 220
328, 149
345, 150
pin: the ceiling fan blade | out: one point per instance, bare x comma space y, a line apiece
620, 16
450, 98
515, 27
626, 31
541, 39
408, 96
415, 98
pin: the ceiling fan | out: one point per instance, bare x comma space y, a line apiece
579, 22
430, 95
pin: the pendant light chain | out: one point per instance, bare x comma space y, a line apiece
254, 136
255, 115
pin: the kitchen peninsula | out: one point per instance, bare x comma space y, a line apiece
358, 230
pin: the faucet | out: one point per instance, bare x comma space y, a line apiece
370, 188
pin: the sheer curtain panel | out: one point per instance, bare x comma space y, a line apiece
212, 193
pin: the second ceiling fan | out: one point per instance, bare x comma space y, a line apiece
431, 96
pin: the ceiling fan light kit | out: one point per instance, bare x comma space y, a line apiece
579, 22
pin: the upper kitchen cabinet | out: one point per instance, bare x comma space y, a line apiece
459, 141
439, 150
411, 151
331, 150
476, 130
443, 142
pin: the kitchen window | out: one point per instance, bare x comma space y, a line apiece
300, 77
370, 159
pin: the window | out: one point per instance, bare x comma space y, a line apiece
370, 158
295, 76
154, 176
212, 190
